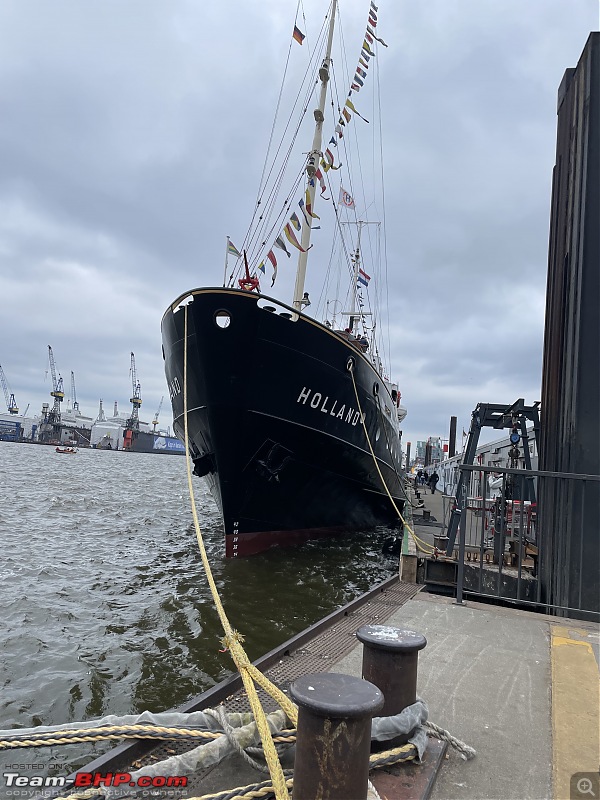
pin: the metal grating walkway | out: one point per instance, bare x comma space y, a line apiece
329, 646
318, 654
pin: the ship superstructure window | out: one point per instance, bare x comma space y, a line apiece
223, 319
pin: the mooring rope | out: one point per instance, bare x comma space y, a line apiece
108, 732
466, 751
221, 716
421, 544
233, 639
397, 755
285, 737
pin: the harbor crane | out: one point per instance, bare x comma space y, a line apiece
73, 395
155, 420
11, 403
101, 415
57, 391
132, 426
136, 398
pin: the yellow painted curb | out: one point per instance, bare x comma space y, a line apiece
575, 708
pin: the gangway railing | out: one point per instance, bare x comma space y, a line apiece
501, 542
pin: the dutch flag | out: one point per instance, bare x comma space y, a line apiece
363, 277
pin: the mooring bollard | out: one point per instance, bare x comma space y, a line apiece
390, 661
334, 736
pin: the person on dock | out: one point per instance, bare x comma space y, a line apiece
433, 479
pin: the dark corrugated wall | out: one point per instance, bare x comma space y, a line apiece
570, 432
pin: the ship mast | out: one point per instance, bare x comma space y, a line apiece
356, 264
311, 165
354, 313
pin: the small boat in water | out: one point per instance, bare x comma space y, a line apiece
67, 450
291, 419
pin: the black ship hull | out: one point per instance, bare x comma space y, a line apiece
273, 420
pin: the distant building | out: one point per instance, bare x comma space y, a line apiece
16, 428
434, 448
110, 431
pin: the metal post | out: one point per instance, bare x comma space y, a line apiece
427, 453
460, 572
334, 736
390, 660
452, 438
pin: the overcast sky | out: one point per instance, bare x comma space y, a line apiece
132, 137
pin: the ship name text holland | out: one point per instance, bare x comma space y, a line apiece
351, 416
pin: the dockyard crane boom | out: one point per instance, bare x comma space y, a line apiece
136, 397
155, 420
57, 390
73, 395
11, 403
101, 415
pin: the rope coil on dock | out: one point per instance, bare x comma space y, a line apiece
387, 758
219, 744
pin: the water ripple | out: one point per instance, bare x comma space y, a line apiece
105, 604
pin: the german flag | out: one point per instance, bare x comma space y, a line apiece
298, 35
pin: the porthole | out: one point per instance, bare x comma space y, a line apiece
377, 435
375, 389
222, 318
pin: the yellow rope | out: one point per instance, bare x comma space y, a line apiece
420, 543
233, 639
73, 736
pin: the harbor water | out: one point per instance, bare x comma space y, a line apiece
105, 606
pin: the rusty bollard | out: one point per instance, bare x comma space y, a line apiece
390, 660
334, 736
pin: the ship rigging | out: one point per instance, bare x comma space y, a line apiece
292, 422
